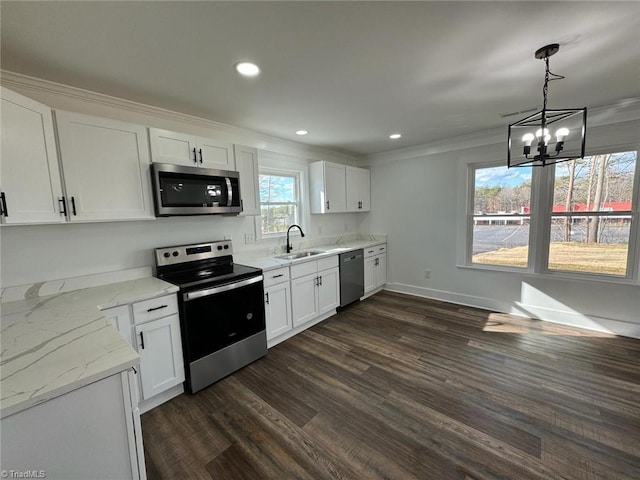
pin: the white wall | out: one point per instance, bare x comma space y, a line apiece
418, 198
47, 252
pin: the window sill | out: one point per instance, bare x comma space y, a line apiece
555, 275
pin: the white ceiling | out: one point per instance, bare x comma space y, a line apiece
349, 72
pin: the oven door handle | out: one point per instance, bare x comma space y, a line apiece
223, 288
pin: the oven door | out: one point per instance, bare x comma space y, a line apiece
216, 317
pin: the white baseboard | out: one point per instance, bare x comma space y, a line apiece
159, 399
562, 317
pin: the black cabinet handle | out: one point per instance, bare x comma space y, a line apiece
73, 205
142, 340
200, 155
276, 276
317, 281
3, 207
195, 158
63, 206
267, 295
327, 204
320, 280
156, 308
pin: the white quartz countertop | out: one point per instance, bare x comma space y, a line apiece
266, 262
57, 343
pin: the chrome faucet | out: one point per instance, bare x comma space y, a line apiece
289, 246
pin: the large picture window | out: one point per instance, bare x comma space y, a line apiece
583, 211
279, 201
501, 216
591, 215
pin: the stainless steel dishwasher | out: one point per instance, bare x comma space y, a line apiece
351, 276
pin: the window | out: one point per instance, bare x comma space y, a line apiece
583, 213
279, 201
591, 214
500, 216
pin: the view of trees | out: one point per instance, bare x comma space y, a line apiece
590, 218
278, 202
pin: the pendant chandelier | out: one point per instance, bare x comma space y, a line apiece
548, 136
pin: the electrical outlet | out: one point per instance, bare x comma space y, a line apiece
249, 238
427, 273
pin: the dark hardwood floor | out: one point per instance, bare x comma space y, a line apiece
401, 387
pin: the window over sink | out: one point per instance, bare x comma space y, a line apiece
279, 201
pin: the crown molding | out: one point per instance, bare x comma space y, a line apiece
599, 120
26, 83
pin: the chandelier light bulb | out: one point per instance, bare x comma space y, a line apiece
561, 134
527, 138
547, 137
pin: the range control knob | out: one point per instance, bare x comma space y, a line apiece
166, 254
226, 247
219, 247
175, 253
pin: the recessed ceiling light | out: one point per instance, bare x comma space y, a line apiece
247, 69
301, 132
395, 136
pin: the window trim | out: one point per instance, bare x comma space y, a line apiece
470, 214
542, 187
299, 204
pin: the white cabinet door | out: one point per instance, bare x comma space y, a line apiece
29, 172
106, 168
173, 147
381, 270
358, 189
329, 290
335, 183
369, 274
327, 187
160, 350
278, 309
304, 306
247, 166
215, 154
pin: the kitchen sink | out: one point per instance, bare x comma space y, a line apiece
295, 256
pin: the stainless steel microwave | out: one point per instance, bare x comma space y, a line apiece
180, 190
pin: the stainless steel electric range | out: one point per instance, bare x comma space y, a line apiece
221, 305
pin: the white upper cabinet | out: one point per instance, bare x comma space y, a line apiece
327, 182
29, 171
336, 188
358, 189
106, 168
190, 150
247, 166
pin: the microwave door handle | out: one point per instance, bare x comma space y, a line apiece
229, 192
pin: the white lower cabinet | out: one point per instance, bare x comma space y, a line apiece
315, 289
277, 302
161, 362
92, 432
375, 267
152, 328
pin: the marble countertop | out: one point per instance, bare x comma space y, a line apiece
266, 262
57, 343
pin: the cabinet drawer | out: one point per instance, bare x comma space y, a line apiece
375, 250
302, 269
154, 308
328, 262
273, 277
